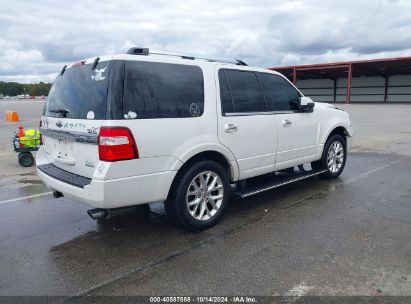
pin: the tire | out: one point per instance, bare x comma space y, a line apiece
335, 152
191, 206
26, 159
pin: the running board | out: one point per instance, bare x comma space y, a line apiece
275, 182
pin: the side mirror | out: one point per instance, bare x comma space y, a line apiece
294, 105
306, 104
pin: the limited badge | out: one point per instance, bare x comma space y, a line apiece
195, 110
89, 163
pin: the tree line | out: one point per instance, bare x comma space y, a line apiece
32, 89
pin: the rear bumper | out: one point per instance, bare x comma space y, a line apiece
105, 193
116, 193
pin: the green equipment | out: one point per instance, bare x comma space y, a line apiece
25, 142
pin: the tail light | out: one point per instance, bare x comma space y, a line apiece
116, 143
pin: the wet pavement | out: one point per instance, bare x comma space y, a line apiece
349, 236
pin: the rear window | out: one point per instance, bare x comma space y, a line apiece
245, 92
80, 93
162, 90
225, 93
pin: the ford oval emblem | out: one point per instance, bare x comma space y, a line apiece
59, 124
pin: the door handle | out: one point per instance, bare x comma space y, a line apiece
286, 123
230, 128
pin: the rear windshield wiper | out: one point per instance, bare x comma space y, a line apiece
60, 111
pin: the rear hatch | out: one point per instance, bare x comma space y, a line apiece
77, 105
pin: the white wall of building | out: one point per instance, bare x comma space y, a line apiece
363, 89
399, 80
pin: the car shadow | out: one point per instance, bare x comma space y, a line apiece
140, 240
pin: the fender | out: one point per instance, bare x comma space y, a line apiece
334, 126
325, 134
206, 147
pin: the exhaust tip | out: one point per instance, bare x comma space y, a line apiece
97, 213
57, 194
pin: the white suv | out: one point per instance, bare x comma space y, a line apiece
145, 127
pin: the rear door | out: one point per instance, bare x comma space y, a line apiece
298, 132
76, 107
244, 124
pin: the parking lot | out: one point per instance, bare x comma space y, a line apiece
349, 236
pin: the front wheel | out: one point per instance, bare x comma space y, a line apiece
200, 196
333, 158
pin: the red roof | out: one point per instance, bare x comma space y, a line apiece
345, 63
371, 67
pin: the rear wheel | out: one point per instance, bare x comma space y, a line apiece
200, 196
26, 159
333, 158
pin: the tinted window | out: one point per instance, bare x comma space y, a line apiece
80, 90
225, 94
161, 90
245, 91
278, 92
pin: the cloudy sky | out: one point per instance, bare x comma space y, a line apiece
38, 37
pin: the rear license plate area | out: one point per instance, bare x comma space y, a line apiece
63, 151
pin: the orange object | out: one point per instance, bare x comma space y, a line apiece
21, 132
12, 116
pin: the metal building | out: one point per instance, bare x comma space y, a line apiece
377, 80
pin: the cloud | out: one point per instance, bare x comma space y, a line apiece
39, 37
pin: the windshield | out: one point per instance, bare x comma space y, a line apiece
80, 93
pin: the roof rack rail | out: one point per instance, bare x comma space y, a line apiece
146, 51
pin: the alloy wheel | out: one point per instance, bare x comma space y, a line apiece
205, 195
335, 157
